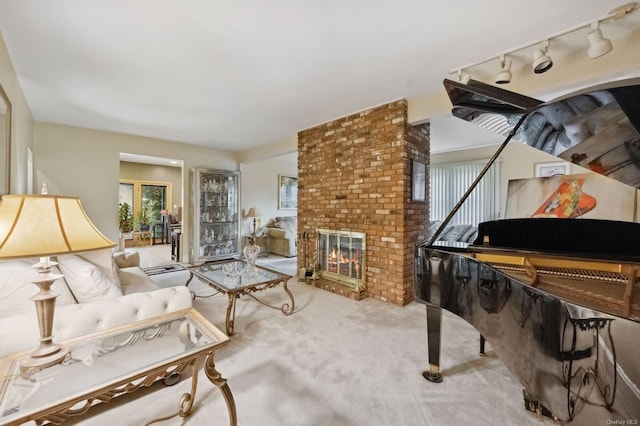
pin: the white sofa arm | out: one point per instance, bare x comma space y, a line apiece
20, 332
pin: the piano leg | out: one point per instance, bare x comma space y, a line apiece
434, 327
482, 341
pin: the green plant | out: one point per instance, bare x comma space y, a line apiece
142, 218
125, 217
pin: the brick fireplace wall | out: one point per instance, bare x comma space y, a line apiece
354, 173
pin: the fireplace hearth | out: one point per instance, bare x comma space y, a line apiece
341, 257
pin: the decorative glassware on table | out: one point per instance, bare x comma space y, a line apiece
233, 269
251, 252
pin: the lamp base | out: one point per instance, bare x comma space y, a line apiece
47, 353
39, 362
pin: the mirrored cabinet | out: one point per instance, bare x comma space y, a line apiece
216, 223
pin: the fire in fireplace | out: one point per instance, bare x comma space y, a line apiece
341, 256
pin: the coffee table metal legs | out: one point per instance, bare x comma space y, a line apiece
217, 379
187, 399
286, 308
231, 312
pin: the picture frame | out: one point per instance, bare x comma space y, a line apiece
287, 192
418, 181
551, 169
5, 142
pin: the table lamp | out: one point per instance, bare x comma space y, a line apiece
253, 213
43, 226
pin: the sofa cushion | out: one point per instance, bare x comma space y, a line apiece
134, 280
104, 260
16, 287
126, 259
287, 223
86, 280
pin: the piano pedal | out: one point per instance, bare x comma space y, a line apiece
535, 406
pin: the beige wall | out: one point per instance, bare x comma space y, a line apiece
86, 163
21, 126
259, 183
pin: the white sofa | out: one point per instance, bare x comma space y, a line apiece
100, 290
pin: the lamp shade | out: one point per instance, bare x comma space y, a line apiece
598, 45
504, 76
253, 212
541, 62
46, 225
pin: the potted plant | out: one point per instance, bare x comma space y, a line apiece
125, 217
142, 219
125, 223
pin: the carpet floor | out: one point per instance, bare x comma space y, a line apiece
334, 361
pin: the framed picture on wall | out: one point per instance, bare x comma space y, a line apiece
287, 192
551, 169
418, 181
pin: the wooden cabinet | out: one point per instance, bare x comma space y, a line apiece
216, 223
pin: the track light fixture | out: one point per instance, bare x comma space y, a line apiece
598, 46
463, 76
504, 76
541, 60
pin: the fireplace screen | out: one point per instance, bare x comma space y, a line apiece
341, 257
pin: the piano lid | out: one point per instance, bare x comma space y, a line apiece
597, 128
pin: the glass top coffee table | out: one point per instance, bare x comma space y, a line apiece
235, 278
111, 363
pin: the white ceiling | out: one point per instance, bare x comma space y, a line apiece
238, 74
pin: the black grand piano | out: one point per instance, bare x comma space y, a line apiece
558, 299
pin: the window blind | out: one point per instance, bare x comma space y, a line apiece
449, 182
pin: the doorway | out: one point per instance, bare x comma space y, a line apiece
154, 186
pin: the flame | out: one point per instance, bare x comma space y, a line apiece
335, 259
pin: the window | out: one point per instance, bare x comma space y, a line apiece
153, 195
449, 182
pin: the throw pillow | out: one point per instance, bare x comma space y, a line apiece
287, 223
86, 280
125, 259
104, 260
16, 287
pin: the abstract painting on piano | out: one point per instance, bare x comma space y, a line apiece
588, 195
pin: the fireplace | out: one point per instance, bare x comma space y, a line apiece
341, 257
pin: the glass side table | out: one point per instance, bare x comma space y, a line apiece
111, 363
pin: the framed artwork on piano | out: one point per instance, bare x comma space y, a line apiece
418, 181
551, 169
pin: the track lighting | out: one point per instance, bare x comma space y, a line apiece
598, 45
541, 60
463, 76
504, 76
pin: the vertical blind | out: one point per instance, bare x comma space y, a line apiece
449, 182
